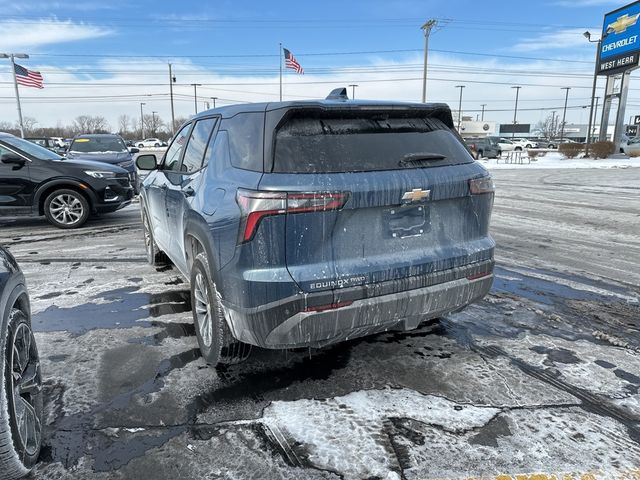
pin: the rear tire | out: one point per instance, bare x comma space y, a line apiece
156, 145
215, 340
21, 399
66, 208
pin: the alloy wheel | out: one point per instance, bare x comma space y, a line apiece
203, 309
66, 209
26, 389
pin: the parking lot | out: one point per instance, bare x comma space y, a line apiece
543, 376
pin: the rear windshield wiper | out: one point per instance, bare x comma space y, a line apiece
411, 159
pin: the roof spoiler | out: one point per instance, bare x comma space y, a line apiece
338, 94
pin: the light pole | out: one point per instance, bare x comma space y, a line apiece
13, 56
553, 125
353, 91
214, 101
195, 95
427, 31
592, 117
460, 106
515, 110
141, 121
483, 105
564, 112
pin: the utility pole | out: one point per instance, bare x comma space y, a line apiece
564, 112
460, 107
353, 91
553, 124
214, 101
595, 115
141, 121
172, 80
153, 123
280, 62
13, 56
592, 116
195, 95
515, 110
426, 28
483, 105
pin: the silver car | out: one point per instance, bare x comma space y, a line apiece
631, 147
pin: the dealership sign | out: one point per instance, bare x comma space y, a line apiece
620, 46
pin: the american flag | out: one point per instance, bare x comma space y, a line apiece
291, 62
28, 78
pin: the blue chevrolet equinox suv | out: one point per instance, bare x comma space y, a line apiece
306, 223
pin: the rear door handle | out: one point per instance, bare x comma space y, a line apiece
188, 191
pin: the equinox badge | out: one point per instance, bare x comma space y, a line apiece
416, 195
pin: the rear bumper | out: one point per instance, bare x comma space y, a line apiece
268, 328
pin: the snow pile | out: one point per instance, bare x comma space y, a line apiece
347, 434
557, 160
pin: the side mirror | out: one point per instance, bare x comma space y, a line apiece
147, 162
134, 150
13, 159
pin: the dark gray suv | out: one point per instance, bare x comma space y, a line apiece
309, 223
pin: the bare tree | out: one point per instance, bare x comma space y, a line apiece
549, 127
9, 128
90, 124
124, 121
81, 124
178, 122
153, 124
29, 124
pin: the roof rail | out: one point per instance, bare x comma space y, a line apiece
338, 94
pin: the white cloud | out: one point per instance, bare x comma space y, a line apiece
16, 35
569, 38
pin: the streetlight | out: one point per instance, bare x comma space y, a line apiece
592, 118
483, 105
214, 101
460, 106
564, 112
141, 121
353, 91
515, 110
195, 95
13, 56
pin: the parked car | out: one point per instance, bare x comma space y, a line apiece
149, 142
36, 181
505, 144
631, 147
106, 148
21, 395
46, 142
484, 147
544, 143
305, 223
522, 143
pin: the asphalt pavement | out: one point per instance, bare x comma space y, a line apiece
542, 377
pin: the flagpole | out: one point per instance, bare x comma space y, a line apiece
15, 84
280, 61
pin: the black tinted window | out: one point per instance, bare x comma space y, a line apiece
245, 132
335, 143
197, 144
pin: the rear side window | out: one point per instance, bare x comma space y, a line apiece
329, 142
245, 135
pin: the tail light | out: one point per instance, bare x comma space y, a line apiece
257, 205
478, 186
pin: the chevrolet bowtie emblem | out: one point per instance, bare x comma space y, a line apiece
416, 195
622, 23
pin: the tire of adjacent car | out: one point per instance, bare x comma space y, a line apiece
141, 145
217, 345
551, 145
156, 145
155, 256
518, 149
86, 208
17, 456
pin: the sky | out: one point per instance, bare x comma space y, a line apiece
106, 57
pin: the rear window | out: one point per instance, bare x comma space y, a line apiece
245, 132
328, 143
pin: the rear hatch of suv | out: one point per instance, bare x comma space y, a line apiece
376, 195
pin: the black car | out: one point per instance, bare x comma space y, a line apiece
36, 181
105, 148
483, 147
21, 397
